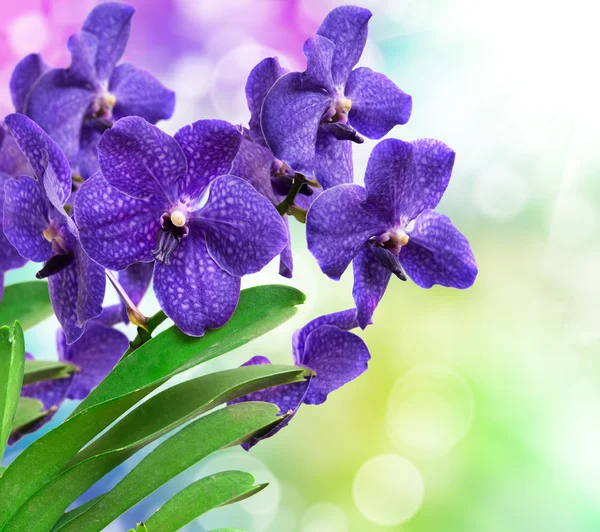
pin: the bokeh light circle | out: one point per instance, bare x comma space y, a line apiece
388, 490
500, 192
324, 517
430, 409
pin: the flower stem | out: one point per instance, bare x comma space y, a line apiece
287, 204
133, 313
143, 335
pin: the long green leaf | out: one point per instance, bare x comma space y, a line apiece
155, 418
12, 361
200, 497
27, 302
29, 411
260, 310
197, 440
45, 370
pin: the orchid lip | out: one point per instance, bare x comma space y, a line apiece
55, 264
173, 230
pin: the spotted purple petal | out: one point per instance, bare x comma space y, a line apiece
95, 353
210, 147
64, 288
45, 157
254, 164
115, 230
337, 227
347, 28
91, 285
83, 47
345, 320
333, 160
337, 357
110, 23
12, 161
135, 280
377, 103
25, 74
262, 77
85, 163
319, 52
25, 218
58, 107
290, 120
370, 281
242, 229
138, 93
437, 253
10, 258
141, 161
403, 179
193, 291
286, 259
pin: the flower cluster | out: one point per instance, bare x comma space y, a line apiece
92, 186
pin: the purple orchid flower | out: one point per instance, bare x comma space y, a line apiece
389, 225
95, 354
147, 204
312, 118
75, 105
325, 346
37, 225
24, 76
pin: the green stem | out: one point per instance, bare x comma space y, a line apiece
288, 202
142, 335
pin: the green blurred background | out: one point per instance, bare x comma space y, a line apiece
480, 409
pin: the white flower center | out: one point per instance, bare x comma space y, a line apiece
178, 218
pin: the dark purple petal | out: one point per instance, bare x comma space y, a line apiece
242, 229
210, 147
10, 258
139, 93
193, 291
91, 285
437, 253
377, 103
12, 161
58, 107
25, 74
110, 23
345, 320
333, 160
319, 53
347, 27
370, 281
64, 289
26, 217
115, 230
86, 161
141, 161
337, 227
45, 157
95, 353
254, 163
262, 77
83, 47
290, 120
135, 280
337, 357
403, 179
112, 315
286, 260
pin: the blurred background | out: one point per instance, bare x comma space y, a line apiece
481, 409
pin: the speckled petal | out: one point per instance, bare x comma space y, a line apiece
347, 28
110, 23
83, 47
319, 53
91, 280
25, 74
403, 179
437, 253
141, 161
262, 77
95, 353
290, 120
115, 230
135, 280
254, 163
139, 93
58, 107
243, 230
193, 291
345, 320
370, 281
26, 217
85, 162
10, 258
12, 161
286, 259
287, 397
49, 164
337, 357
210, 147
377, 103
333, 160
337, 227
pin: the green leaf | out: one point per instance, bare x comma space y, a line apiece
2, 469
227, 530
27, 302
29, 412
202, 496
12, 361
45, 370
155, 418
140, 527
260, 310
222, 428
